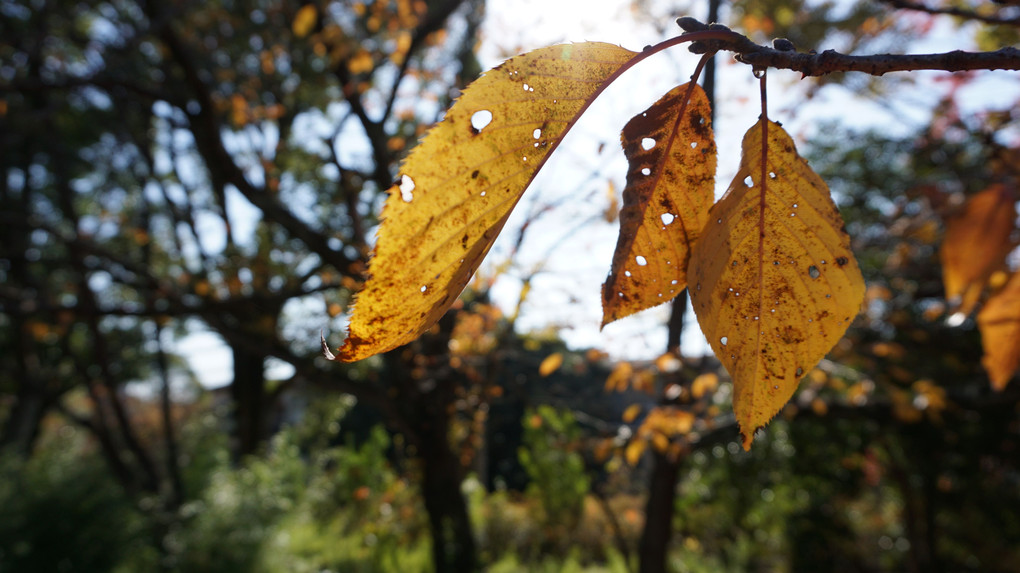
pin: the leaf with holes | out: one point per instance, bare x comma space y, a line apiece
457, 187
999, 322
775, 282
670, 188
976, 243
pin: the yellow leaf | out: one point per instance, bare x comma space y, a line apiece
704, 384
633, 451
999, 323
670, 187
619, 377
458, 186
660, 442
361, 62
304, 20
631, 413
551, 364
775, 282
976, 244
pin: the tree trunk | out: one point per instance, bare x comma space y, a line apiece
248, 391
658, 515
453, 542
22, 425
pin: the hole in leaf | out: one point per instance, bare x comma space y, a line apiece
748, 181
537, 133
772, 175
667, 218
813, 271
640, 261
406, 187
626, 273
647, 143
481, 119
795, 205
723, 341
694, 145
800, 371
646, 171
424, 288
673, 282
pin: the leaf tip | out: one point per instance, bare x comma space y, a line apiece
746, 438
325, 347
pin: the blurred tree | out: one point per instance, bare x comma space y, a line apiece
140, 140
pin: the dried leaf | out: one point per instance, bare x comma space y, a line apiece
619, 378
704, 384
976, 243
670, 187
304, 20
631, 413
550, 364
632, 453
458, 186
999, 322
775, 282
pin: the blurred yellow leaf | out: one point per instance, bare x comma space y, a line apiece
704, 384
304, 20
619, 377
670, 187
631, 413
999, 323
660, 442
775, 284
551, 364
976, 243
361, 62
632, 453
456, 189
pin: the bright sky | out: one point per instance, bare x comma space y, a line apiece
566, 294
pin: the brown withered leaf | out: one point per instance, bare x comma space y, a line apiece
976, 243
456, 189
670, 187
999, 323
775, 284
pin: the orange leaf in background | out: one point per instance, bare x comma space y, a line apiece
976, 243
304, 20
632, 453
775, 282
631, 413
361, 62
670, 187
551, 364
619, 377
999, 323
704, 384
456, 189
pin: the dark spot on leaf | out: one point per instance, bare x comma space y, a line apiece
474, 175
842, 261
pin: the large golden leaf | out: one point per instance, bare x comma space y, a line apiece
457, 187
670, 188
775, 284
976, 243
999, 322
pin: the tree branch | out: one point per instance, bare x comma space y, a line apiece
706, 38
954, 11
